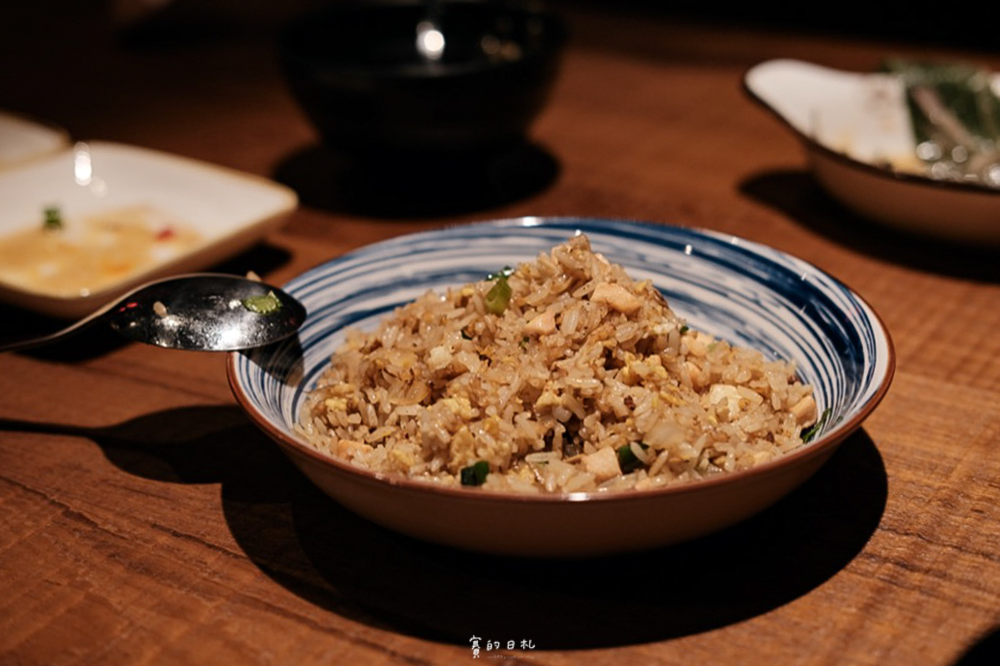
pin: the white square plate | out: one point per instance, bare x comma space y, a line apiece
227, 210
23, 140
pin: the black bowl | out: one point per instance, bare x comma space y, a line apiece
355, 70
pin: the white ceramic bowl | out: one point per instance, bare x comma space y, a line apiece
741, 291
852, 123
228, 209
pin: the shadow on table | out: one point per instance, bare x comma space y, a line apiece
798, 195
447, 595
17, 323
420, 189
349, 566
984, 652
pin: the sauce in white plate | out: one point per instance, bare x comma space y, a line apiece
82, 255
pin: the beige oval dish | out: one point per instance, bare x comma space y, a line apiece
737, 290
852, 126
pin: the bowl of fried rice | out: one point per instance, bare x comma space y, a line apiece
566, 387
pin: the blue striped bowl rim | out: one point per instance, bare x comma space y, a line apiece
733, 288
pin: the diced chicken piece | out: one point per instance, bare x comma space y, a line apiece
617, 297
347, 448
694, 374
541, 324
462, 449
662, 434
603, 464
547, 399
804, 411
438, 358
698, 342
460, 406
335, 404
727, 394
401, 460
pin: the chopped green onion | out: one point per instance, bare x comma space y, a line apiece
498, 297
627, 459
53, 219
809, 433
263, 303
475, 474
685, 329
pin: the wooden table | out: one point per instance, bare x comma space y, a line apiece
145, 521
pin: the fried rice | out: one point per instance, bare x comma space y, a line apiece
562, 375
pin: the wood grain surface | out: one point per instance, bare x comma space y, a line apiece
143, 519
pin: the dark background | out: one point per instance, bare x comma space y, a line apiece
964, 25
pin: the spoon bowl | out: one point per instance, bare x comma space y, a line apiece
194, 312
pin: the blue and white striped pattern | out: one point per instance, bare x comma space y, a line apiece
732, 288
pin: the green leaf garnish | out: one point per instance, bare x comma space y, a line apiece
627, 459
475, 474
498, 297
53, 219
810, 433
262, 303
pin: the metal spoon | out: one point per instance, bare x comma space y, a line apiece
199, 312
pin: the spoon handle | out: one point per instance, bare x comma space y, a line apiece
77, 326
40, 340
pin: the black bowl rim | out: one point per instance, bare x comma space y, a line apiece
556, 35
